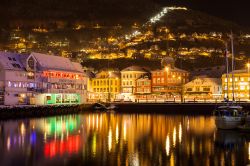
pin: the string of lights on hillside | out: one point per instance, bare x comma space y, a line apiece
155, 19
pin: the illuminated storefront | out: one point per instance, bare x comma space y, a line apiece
40, 79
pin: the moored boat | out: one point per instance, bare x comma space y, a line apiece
229, 117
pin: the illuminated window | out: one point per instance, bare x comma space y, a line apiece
31, 63
242, 87
225, 79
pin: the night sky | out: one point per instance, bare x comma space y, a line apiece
233, 10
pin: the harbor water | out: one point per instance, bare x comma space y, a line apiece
121, 139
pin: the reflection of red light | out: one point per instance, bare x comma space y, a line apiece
71, 145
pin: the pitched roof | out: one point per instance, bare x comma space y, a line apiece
105, 74
134, 68
50, 62
205, 80
175, 69
239, 71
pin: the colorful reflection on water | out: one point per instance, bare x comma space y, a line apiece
121, 139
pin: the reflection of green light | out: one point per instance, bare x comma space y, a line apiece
64, 124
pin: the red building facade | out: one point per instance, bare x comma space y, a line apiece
168, 81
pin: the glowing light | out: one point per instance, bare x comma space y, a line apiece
249, 151
166, 69
110, 139
167, 145
180, 133
8, 143
22, 128
71, 145
116, 133
174, 137
124, 131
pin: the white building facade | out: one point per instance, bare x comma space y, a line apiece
129, 77
40, 79
203, 88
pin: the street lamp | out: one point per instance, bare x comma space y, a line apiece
109, 75
181, 79
167, 70
248, 69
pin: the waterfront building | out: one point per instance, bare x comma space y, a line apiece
143, 87
105, 86
168, 82
203, 88
41, 79
129, 77
241, 85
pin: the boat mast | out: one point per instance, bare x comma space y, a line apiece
232, 47
227, 71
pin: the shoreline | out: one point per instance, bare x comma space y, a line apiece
19, 112
23, 112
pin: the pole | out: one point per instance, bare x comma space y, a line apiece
181, 90
248, 66
232, 45
109, 86
227, 73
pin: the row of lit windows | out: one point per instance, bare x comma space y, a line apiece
143, 90
104, 82
169, 80
198, 89
15, 84
237, 79
124, 76
124, 83
242, 87
105, 89
166, 88
141, 83
66, 86
169, 73
237, 95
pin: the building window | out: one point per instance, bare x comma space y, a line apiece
189, 89
206, 89
242, 87
31, 63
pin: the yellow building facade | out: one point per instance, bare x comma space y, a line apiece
241, 85
105, 86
